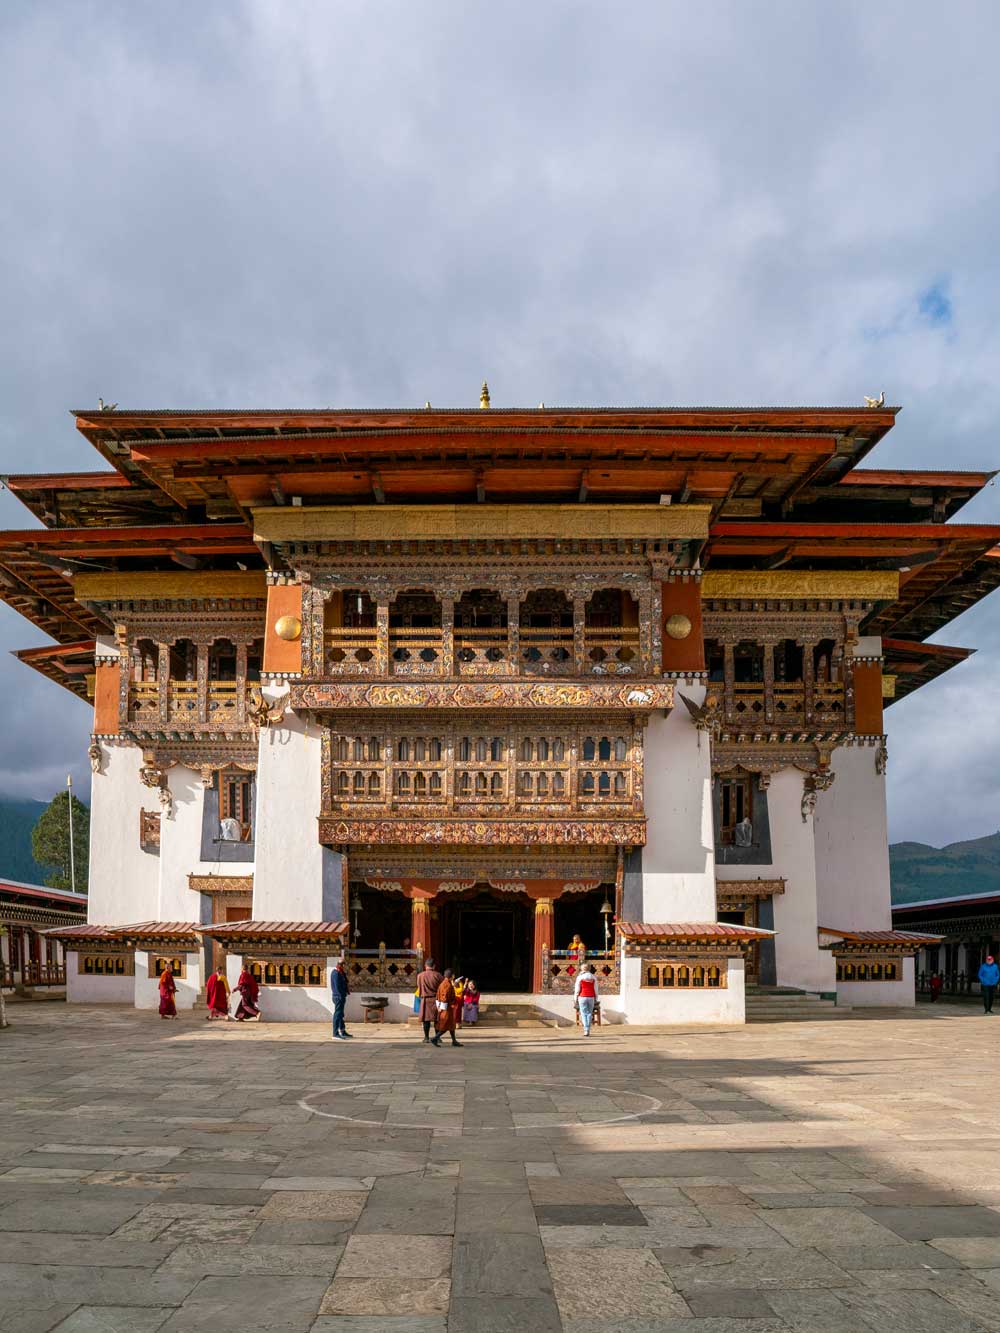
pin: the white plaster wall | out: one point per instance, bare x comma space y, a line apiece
725, 1005
678, 860
147, 988
852, 845
96, 990
798, 959
880, 994
124, 880
180, 851
295, 877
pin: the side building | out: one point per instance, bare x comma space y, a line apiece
508, 688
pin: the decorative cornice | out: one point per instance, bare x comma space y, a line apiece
827, 584
169, 585
747, 888
634, 696
334, 830
221, 884
450, 522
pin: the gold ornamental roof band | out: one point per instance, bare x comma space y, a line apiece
448, 522
863, 585
169, 584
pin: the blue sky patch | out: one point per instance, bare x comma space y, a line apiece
934, 304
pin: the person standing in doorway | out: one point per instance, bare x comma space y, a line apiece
989, 976
428, 982
340, 990
444, 1003
586, 995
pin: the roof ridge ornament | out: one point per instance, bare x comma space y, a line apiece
484, 396
875, 402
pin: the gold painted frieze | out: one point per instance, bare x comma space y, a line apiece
335, 830
329, 696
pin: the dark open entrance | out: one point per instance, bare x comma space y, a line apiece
488, 937
580, 914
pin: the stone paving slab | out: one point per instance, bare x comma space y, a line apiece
835, 1177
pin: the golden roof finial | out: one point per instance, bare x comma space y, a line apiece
484, 395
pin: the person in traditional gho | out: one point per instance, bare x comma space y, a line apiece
989, 976
217, 994
937, 985
247, 1010
445, 1004
585, 996
168, 989
470, 1003
428, 982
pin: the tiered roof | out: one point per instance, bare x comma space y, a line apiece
784, 487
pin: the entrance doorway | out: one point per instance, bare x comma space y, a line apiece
745, 916
488, 937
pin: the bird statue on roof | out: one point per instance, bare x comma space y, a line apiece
875, 402
106, 407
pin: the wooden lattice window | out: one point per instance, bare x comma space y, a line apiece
869, 969
105, 964
236, 801
736, 797
694, 975
287, 971
176, 962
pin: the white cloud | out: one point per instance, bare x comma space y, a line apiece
282, 202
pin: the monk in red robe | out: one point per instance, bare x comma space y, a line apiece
445, 1003
248, 987
168, 989
217, 994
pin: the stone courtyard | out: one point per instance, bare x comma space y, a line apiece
829, 1176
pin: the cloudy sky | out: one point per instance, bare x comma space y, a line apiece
236, 203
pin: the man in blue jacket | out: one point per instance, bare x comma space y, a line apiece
339, 991
989, 975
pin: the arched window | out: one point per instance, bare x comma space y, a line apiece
465, 784
527, 753
359, 750
374, 749
374, 784
343, 784
589, 747
419, 785
465, 749
604, 784
403, 750
496, 785
604, 750
621, 748
543, 748
558, 784
481, 749
434, 749
496, 749
419, 750
341, 749
621, 785
558, 749
543, 784
587, 784
359, 784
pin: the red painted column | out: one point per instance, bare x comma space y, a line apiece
420, 922
544, 938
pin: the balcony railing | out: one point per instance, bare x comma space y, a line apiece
43, 974
222, 706
383, 969
483, 652
561, 967
794, 705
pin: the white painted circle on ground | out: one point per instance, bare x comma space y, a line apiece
654, 1104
